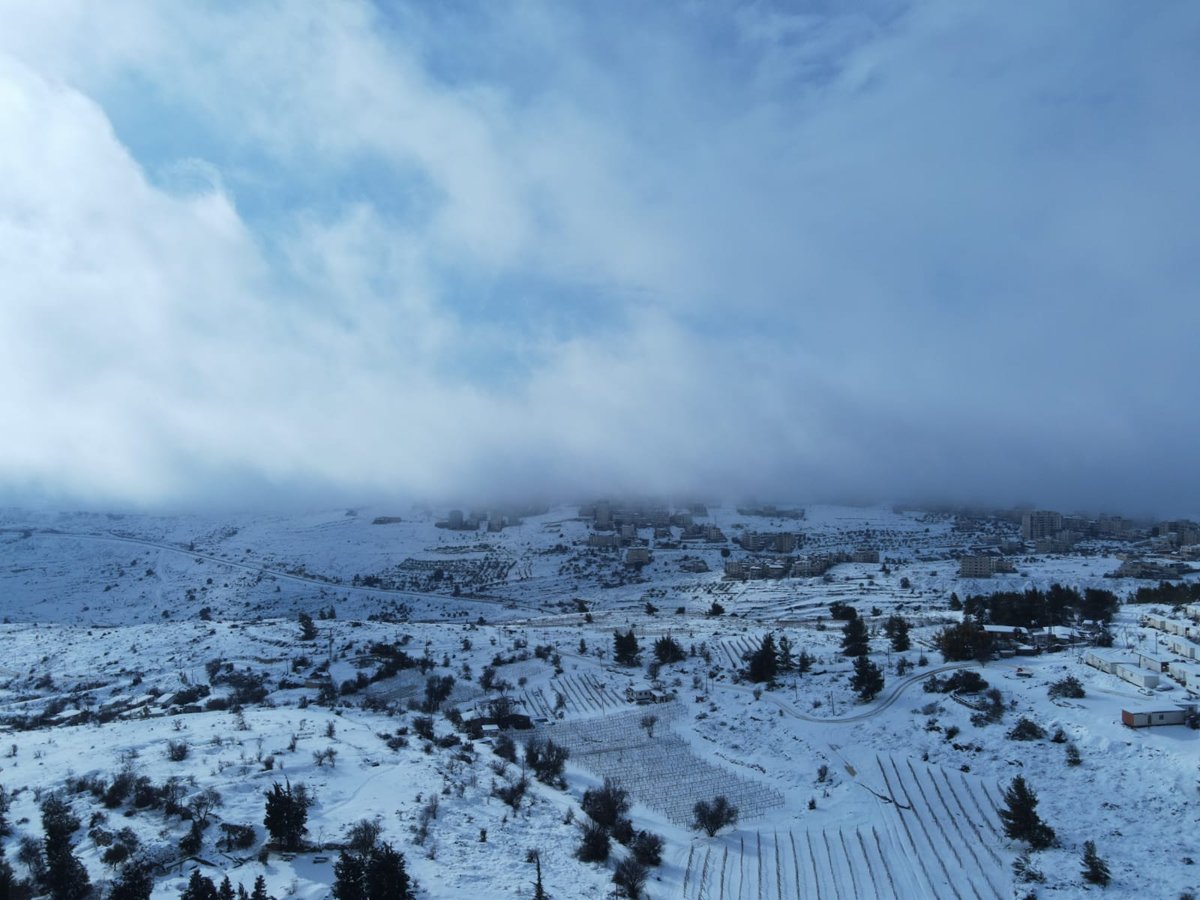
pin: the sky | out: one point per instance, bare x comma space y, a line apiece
274, 253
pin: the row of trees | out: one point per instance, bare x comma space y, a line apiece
1034, 608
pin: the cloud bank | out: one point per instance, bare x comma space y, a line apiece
275, 252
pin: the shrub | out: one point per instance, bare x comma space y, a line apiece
236, 837
1095, 869
630, 877
1026, 730
511, 794
593, 843
1069, 687
547, 761
177, 751
647, 848
606, 804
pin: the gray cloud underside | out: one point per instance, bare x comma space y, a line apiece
943, 250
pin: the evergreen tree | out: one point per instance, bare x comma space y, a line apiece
763, 663
8, 882
854, 638
350, 876
896, 628
625, 648
66, 878
668, 650
1020, 818
785, 660
308, 630
387, 878
804, 662
964, 641
225, 889
867, 680
199, 887
260, 890
1095, 869
287, 814
134, 883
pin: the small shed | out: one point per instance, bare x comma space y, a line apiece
1146, 716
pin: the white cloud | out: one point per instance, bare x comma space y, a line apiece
942, 250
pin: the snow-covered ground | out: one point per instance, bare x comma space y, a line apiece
124, 635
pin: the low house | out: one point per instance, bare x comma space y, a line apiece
1155, 662
643, 696
1181, 646
1187, 674
1108, 660
1136, 675
1146, 716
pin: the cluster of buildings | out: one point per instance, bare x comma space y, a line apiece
1176, 657
804, 566
488, 519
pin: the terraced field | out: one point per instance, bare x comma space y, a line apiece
936, 836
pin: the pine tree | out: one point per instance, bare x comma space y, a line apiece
260, 890
896, 628
804, 662
785, 660
763, 664
225, 889
350, 877
134, 883
1020, 817
854, 638
66, 877
308, 630
668, 650
1095, 869
867, 680
387, 877
625, 648
199, 887
287, 814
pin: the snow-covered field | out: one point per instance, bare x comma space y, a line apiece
126, 636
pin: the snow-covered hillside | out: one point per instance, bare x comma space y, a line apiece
129, 637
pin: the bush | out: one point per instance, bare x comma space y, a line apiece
511, 794
177, 751
1026, 730
505, 748
547, 761
593, 844
1095, 869
1069, 687
647, 848
236, 837
630, 878
607, 804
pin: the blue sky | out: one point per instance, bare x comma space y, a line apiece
268, 252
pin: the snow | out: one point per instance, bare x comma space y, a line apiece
838, 798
